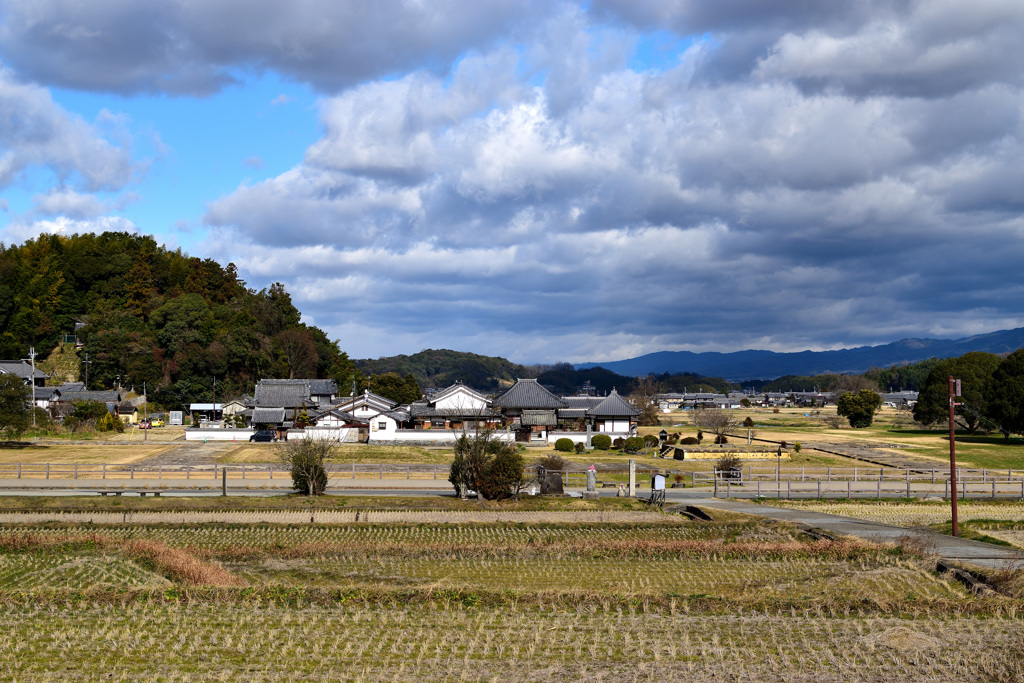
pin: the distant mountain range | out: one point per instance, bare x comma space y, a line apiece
743, 365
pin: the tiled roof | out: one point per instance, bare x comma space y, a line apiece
613, 406
273, 393
274, 416
423, 409
111, 396
528, 393
544, 418
323, 387
21, 369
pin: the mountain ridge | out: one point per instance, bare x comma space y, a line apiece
761, 364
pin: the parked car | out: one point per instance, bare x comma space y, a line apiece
157, 422
264, 435
145, 424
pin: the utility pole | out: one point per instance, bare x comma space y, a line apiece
215, 398
954, 390
32, 381
86, 363
145, 412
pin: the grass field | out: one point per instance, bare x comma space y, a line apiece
80, 453
911, 513
663, 599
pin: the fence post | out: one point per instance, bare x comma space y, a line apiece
160, 471
789, 489
271, 470
435, 471
47, 470
188, 471
716, 486
76, 470
908, 486
243, 470
224, 481
19, 476
879, 494
819, 489
847, 489
945, 491
855, 474
801, 474
830, 475
933, 476
381, 471
758, 488
133, 470
993, 489
407, 472
353, 470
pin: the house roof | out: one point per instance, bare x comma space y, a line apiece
323, 387
375, 401
273, 393
545, 418
111, 396
47, 393
268, 415
526, 394
613, 406
458, 387
22, 369
424, 409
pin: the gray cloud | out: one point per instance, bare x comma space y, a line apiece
656, 209
194, 48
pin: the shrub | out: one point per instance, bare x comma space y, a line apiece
632, 444
554, 462
729, 467
720, 439
700, 435
580, 447
565, 445
503, 474
796, 447
305, 458
689, 441
749, 422
71, 423
745, 402
601, 442
618, 443
493, 468
775, 409
651, 440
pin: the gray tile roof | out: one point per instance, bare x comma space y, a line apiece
613, 406
111, 396
424, 409
526, 394
323, 387
21, 369
544, 418
273, 416
273, 393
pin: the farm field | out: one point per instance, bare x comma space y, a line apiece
80, 453
660, 597
911, 513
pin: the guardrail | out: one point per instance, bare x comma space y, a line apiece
857, 474
879, 489
103, 472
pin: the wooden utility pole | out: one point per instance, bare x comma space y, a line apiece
954, 390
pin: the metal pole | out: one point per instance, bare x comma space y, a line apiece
224, 481
32, 355
952, 454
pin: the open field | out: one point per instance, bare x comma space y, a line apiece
911, 513
80, 453
365, 642
657, 598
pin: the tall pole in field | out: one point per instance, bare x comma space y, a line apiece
954, 390
32, 356
145, 411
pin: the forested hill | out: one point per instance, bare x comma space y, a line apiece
442, 367
156, 315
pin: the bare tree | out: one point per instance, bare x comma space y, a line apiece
715, 420
306, 458
645, 399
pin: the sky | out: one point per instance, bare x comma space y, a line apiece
543, 180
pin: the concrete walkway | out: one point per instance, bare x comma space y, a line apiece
946, 547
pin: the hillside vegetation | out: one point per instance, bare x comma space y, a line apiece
157, 316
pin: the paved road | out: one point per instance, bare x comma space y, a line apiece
946, 547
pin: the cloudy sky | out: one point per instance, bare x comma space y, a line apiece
543, 179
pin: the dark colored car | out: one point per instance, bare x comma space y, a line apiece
145, 424
264, 435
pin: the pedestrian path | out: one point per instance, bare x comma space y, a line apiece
945, 547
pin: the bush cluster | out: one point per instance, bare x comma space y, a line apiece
565, 445
601, 442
